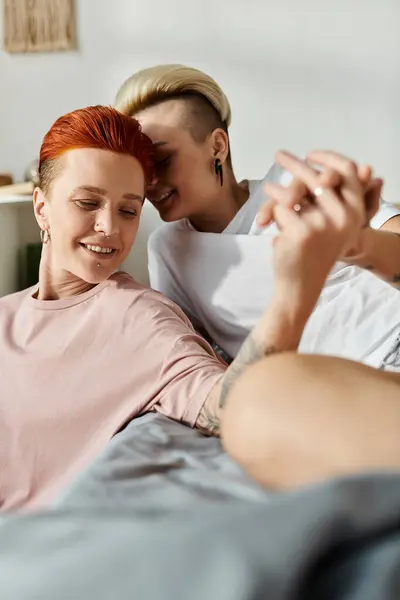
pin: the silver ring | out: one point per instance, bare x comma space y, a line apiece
318, 191
300, 205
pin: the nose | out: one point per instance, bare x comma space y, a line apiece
107, 223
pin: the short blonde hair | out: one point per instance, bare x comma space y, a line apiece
156, 84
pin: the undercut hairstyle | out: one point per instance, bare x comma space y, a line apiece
100, 127
208, 107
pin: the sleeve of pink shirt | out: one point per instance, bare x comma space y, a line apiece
188, 367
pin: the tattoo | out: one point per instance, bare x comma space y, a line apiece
207, 422
392, 358
396, 281
396, 278
249, 353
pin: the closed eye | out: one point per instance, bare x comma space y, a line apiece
87, 204
163, 163
129, 212
94, 205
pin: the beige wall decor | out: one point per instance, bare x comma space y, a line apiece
39, 25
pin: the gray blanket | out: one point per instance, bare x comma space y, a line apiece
164, 514
159, 463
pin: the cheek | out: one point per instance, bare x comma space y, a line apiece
128, 232
191, 172
199, 180
68, 224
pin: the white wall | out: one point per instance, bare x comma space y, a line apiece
299, 74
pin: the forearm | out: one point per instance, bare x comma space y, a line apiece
279, 329
380, 254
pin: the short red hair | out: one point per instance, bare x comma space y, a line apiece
99, 127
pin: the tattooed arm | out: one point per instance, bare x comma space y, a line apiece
380, 252
279, 329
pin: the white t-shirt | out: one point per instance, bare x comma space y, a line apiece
224, 282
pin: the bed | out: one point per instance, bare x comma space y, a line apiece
163, 513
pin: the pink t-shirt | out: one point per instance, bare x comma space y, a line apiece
74, 371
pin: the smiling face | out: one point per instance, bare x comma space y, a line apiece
185, 185
92, 212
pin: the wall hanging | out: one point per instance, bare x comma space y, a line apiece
39, 25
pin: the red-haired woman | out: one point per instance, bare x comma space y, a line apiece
88, 348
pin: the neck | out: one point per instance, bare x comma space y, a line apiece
56, 284
225, 206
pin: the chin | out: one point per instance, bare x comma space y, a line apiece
171, 210
85, 267
169, 216
96, 274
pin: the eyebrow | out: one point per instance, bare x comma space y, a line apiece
91, 188
103, 192
133, 197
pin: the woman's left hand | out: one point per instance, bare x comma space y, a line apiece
355, 184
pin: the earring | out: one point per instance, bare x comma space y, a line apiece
44, 236
219, 171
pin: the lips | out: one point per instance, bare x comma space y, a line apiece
101, 252
99, 249
164, 197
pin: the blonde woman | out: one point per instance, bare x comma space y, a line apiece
214, 259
